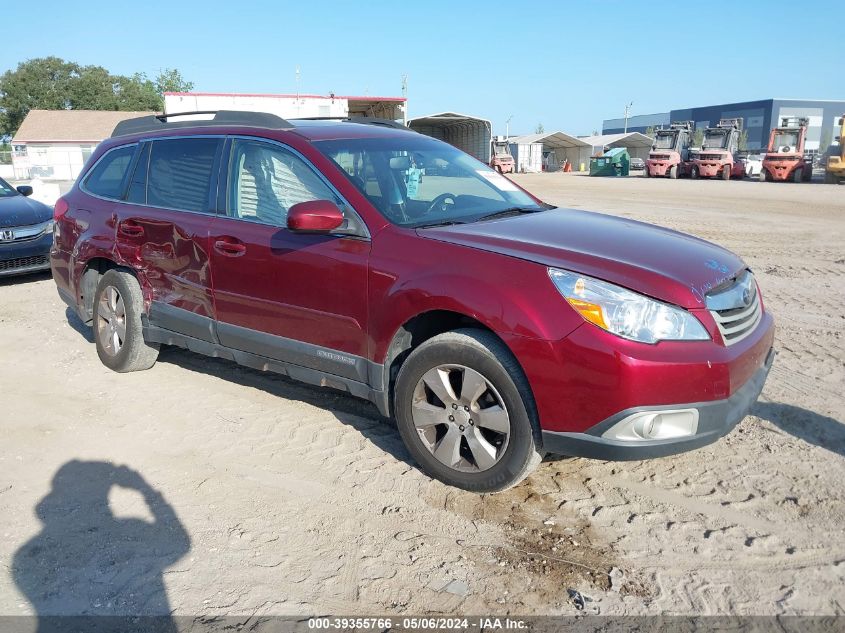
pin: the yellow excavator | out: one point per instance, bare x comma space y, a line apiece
835, 169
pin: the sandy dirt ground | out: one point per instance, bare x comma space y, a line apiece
201, 488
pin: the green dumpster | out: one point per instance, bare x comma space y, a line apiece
614, 162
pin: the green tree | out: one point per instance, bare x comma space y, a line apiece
742, 141
37, 83
539, 129
171, 80
698, 137
649, 131
51, 83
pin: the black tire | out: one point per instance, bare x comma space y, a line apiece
673, 172
830, 179
694, 172
726, 172
484, 353
133, 353
763, 176
798, 175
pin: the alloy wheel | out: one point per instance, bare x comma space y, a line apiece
461, 418
111, 320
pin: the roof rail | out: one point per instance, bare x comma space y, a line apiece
365, 120
160, 122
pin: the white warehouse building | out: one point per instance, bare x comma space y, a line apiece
54, 144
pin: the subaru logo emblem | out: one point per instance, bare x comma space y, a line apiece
7, 235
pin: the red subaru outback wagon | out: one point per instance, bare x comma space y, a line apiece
378, 261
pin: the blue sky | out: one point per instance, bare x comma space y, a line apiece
567, 65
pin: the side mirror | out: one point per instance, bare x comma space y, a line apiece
24, 190
315, 216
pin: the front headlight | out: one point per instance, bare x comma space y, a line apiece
625, 313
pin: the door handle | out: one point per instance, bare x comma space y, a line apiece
130, 229
231, 249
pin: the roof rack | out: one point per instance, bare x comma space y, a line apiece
160, 122
365, 120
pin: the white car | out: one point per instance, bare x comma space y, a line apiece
753, 165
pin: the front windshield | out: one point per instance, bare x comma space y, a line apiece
715, 139
6, 190
665, 140
414, 180
785, 139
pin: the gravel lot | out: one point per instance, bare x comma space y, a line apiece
202, 488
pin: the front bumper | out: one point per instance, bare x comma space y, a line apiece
715, 419
710, 170
658, 167
781, 171
20, 258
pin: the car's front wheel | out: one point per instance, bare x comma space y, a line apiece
118, 305
465, 412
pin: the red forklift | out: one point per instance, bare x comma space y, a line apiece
670, 153
785, 158
717, 157
500, 156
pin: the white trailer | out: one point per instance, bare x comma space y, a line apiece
528, 157
288, 106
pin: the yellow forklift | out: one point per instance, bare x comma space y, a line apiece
835, 169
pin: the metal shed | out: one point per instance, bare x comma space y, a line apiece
467, 133
557, 148
638, 145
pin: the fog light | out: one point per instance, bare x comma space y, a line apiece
655, 425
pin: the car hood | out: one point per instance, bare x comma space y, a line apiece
655, 261
21, 211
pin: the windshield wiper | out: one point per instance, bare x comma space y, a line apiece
441, 223
509, 211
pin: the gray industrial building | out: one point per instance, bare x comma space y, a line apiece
758, 117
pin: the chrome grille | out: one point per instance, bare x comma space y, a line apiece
736, 309
23, 233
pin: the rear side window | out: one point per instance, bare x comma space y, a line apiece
138, 184
109, 174
180, 172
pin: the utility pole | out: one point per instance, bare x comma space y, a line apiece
627, 110
298, 103
508, 127
405, 105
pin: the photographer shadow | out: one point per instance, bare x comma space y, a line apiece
88, 562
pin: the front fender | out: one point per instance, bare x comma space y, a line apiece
509, 296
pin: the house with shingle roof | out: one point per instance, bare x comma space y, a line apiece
54, 144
